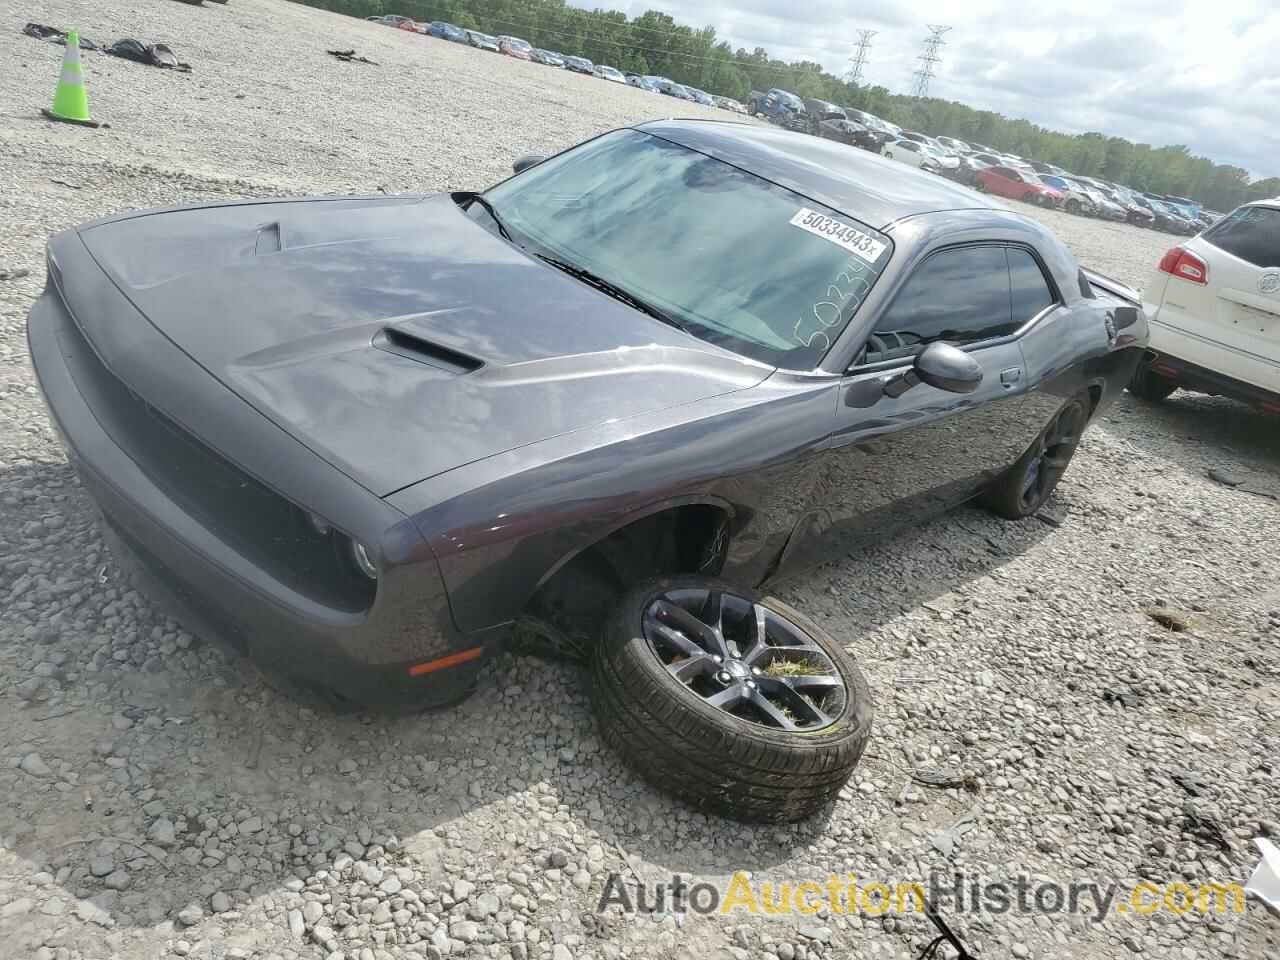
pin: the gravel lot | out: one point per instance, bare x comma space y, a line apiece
161, 800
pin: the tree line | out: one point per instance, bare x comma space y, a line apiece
654, 43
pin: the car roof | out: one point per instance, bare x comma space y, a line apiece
862, 185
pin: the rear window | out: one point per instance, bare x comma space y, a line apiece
1250, 233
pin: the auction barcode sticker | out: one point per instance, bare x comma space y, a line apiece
855, 241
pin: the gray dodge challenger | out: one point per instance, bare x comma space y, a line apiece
366, 440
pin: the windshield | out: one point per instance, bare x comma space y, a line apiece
670, 227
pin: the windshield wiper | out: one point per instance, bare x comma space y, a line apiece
470, 198
604, 286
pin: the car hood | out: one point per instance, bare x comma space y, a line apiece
395, 336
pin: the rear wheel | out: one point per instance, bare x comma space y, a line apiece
979, 186
1073, 206
1026, 486
734, 703
1150, 386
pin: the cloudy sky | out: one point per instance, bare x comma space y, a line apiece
1203, 74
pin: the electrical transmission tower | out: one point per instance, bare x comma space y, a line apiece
920, 88
859, 59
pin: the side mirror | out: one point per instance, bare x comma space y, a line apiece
527, 161
1125, 317
942, 366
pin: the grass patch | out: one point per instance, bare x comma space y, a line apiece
795, 668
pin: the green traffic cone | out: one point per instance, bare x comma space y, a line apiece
70, 102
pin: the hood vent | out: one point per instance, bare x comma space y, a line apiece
413, 347
268, 240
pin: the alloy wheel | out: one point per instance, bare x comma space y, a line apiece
1054, 449
745, 659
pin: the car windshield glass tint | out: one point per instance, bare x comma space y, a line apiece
1252, 234
737, 260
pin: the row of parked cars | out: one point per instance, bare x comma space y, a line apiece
523, 50
983, 167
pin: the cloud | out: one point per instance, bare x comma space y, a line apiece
1146, 70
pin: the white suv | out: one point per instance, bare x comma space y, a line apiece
1214, 309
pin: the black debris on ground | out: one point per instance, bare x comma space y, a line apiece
349, 56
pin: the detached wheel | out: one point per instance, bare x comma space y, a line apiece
736, 704
1150, 386
1026, 486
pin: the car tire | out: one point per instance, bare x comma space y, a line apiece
1023, 489
1148, 385
1028, 197
979, 185
1073, 206
681, 741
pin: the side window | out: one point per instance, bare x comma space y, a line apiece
959, 296
1027, 284
1250, 233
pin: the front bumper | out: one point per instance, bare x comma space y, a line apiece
196, 565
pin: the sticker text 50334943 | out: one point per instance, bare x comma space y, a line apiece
841, 234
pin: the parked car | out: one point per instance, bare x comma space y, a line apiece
1214, 308
1043, 168
606, 72
515, 47
360, 462
957, 147
547, 57
673, 89
967, 171
1104, 206
818, 110
913, 154
482, 41
1076, 198
701, 96
447, 31
872, 123
579, 65
948, 163
391, 19
1168, 219
850, 132
412, 26
1139, 214
776, 105
728, 103
1017, 185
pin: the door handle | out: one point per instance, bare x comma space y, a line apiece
1011, 378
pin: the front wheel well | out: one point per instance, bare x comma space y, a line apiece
691, 538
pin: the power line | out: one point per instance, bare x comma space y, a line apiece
859, 59
929, 56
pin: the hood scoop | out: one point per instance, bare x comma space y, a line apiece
413, 347
268, 240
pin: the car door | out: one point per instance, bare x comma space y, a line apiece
896, 460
